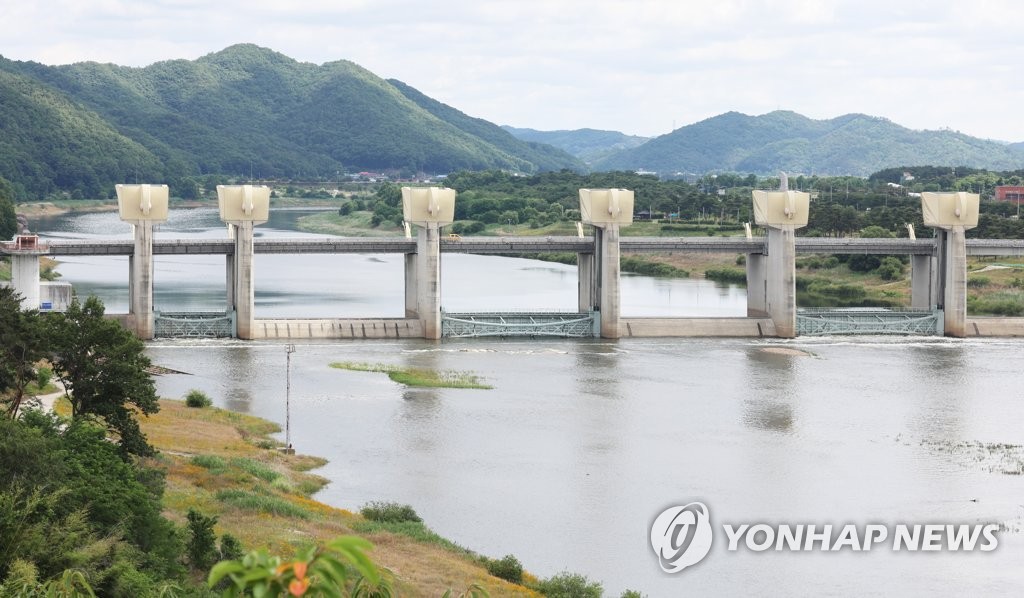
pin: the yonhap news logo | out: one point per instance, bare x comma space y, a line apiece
681, 537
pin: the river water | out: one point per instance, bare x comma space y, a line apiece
567, 461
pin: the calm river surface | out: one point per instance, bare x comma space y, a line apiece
580, 444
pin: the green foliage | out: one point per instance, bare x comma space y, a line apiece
198, 399
69, 501
230, 548
726, 275
312, 571
415, 376
632, 594
23, 582
1004, 303
8, 219
256, 469
389, 512
201, 548
508, 568
639, 265
214, 463
978, 282
22, 345
364, 588
569, 585
473, 591
261, 503
103, 367
891, 268
411, 529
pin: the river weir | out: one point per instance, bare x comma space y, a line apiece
579, 446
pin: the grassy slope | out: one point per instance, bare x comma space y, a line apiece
243, 447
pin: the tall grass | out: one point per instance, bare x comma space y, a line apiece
262, 503
255, 468
416, 376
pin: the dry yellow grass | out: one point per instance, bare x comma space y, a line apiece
228, 439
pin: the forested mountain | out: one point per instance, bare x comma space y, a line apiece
551, 156
589, 145
242, 109
853, 144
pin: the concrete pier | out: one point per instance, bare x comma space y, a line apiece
242, 207
242, 292
428, 209
757, 285
587, 282
924, 282
606, 210
781, 213
428, 283
25, 275
412, 308
140, 281
951, 214
142, 206
954, 285
609, 276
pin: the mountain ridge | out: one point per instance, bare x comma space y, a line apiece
850, 144
250, 109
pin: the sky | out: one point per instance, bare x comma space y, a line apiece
643, 67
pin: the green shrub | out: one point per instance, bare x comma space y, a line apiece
230, 548
891, 269
202, 542
256, 469
977, 282
632, 594
741, 259
212, 462
411, 529
726, 275
639, 265
1009, 303
262, 503
389, 512
569, 585
507, 567
198, 399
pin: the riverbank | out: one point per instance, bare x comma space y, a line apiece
225, 464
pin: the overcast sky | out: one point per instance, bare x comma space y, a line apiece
641, 67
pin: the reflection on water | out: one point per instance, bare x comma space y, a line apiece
769, 405
355, 286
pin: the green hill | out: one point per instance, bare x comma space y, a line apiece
589, 145
853, 144
49, 142
546, 156
243, 109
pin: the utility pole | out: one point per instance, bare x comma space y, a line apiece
289, 349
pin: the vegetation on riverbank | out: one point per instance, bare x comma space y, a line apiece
418, 377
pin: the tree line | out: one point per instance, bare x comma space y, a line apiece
842, 206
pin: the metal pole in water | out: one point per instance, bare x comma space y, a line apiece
289, 349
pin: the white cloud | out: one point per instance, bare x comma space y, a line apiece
633, 66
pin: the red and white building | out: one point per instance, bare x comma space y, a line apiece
1010, 193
